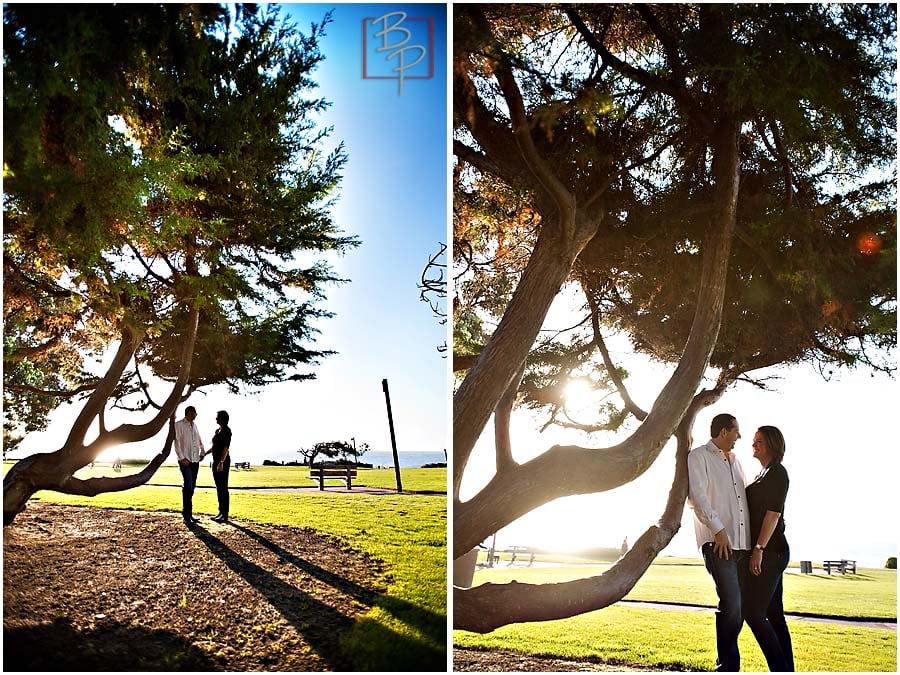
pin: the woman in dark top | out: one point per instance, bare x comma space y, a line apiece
221, 463
763, 608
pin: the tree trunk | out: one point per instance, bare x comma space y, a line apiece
54, 470
506, 350
522, 488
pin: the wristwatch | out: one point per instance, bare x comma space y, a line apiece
761, 548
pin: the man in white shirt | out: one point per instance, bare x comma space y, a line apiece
722, 526
189, 450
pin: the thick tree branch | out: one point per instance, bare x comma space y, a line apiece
476, 159
463, 361
56, 393
665, 39
673, 89
131, 337
563, 199
19, 354
601, 470
489, 606
130, 433
502, 415
91, 487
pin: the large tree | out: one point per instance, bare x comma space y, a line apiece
165, 194
680, 163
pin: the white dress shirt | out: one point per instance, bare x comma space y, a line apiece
188, 444
717, 496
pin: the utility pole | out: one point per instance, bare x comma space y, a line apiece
387, 399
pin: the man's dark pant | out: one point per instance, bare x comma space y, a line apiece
730, 577
189, 475
764, 612
221, 479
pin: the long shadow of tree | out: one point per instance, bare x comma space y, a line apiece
424, 620
111, 646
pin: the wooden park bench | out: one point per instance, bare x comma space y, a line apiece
841, 566
323, 473
517, 550
242, 465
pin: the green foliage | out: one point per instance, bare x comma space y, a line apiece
158, 156
812, 275
891, 563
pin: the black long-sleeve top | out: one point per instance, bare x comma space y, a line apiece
221, 441
768, 493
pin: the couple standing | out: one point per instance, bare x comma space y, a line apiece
189, 450
740, 531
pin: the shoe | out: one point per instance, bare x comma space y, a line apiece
218, 518
190, 522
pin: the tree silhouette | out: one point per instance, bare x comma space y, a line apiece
700, 173
162, 176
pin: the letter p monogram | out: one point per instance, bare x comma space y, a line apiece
393, 40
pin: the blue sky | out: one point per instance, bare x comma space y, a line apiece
394, 198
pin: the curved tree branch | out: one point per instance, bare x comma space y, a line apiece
17, 355
489, 606
56, 393
611, 369
671, 88
601, 470
91, 487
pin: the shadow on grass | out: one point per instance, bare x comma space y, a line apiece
324, 628
417, 654
110, 646
403, 653
425, 620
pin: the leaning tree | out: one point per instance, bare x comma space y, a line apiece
165, 195
701, 172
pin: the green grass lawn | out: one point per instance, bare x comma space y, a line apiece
414, 480
685, 640
407, 627
870, 593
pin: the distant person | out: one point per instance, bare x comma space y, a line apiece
189, 450
722, 526
763, 608
221, 443
624, 548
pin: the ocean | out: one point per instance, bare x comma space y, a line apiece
408, 460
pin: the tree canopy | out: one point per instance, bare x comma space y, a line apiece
166, 191
716, 179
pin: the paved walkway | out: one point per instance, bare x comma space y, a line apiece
357, 489
862, 622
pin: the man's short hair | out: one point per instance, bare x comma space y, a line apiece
719, 422
190, 409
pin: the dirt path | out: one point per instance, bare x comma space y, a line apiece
98, 589
500, 660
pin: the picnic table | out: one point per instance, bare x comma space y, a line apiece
841, 566
516, 550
